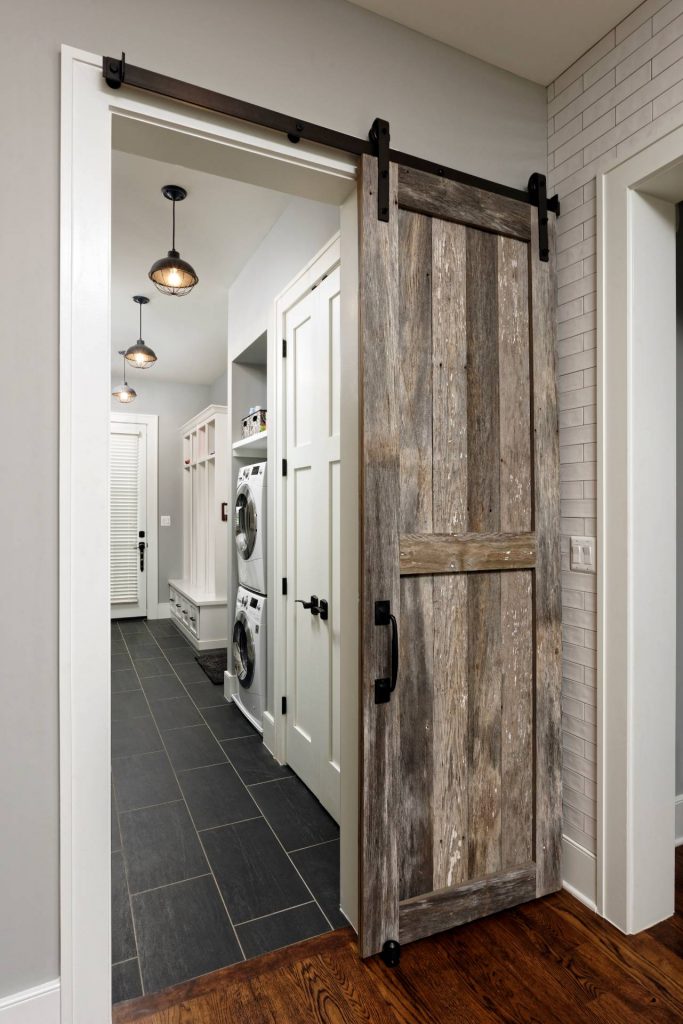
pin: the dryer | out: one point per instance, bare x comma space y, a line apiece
250, 526
249, 655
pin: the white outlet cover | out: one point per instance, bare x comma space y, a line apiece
582, 554
165, 520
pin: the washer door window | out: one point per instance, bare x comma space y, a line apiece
245, 521
243, 651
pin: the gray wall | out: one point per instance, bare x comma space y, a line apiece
174, 404
218, 392
324, 60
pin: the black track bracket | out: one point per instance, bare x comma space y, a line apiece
114, 71
538, 196
380, 138
391, 953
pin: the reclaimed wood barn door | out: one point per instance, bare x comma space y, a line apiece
461, 797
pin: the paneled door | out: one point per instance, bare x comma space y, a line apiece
313, 501
460, 570
128, 519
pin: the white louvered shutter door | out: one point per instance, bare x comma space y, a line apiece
125, 515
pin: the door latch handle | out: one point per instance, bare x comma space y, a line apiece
141, 549
311, 605
385, 687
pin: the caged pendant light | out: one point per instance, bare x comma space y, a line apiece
124, 393
139, 354
171, 275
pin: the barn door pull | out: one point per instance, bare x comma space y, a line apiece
386, 686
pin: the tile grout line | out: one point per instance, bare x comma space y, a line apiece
194, 824
264, 917
312, 846
169, 885
227, 824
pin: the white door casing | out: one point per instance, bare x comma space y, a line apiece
313, 501
128, 520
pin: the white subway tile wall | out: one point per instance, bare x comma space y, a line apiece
619, 96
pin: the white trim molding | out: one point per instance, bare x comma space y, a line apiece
679, 820
637, 534
38, 1005
579, 872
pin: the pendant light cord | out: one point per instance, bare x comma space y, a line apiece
173, 245
140, 331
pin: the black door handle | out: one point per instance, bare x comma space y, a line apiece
312, 604
141, 549
386, 686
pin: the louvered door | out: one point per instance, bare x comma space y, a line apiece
460, 805
128, 527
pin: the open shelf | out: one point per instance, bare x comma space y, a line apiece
257, 444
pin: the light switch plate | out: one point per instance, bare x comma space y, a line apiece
582, 554
165, 520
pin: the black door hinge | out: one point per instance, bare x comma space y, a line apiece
284, 467
284, 348
539, 197
284, 705
380, 137
284, 586
114, 71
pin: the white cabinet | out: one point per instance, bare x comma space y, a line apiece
198, 601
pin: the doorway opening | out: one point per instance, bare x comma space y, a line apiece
227, 518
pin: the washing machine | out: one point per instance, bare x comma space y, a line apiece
250, 526
249, 655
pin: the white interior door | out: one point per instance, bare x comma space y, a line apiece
128, 519
312, 329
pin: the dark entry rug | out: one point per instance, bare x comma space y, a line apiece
214, 663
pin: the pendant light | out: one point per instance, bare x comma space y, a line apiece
124, 393
139, 354
171, 275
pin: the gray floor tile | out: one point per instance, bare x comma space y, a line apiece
134, 736
160, 846
253, 762
183, 931
120, 661
185, 655
155, 666
162, 627
190, 672
125, 981
143, 781
227, 723
192, 747
161, 687
122, 936
319, 866
130, 704
206, 695
173, 641
294, 813
283, 929
215, 796
117, 645
255, 875
124, 679
175, 713
115, 833
143, 651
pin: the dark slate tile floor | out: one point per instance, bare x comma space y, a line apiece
219, 853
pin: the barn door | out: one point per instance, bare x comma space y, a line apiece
460, 805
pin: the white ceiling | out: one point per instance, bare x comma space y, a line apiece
219, 226
537, 39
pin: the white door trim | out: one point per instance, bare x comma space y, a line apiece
87, 109
637, 535
151, 421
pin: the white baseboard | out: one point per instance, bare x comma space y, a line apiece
579, 872
164, 611
39, 1005
679, 820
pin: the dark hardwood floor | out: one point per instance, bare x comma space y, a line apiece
547, 961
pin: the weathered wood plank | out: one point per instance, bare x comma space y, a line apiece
379, 487
483, 445
449, 387
548, 600
468, 552
516, 611
416, 637
425, 193
437, 911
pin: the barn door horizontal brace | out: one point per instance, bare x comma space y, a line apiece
117, 72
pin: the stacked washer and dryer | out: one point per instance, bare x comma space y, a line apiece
249, 632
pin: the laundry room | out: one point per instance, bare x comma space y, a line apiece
233, 556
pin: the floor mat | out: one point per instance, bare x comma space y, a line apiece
214, 663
